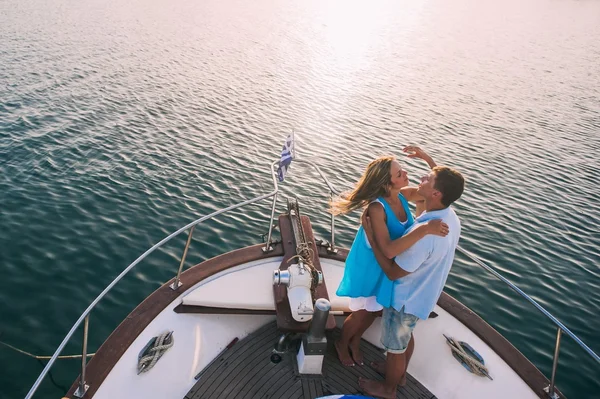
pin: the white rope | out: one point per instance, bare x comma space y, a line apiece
162, 343
39, 357
304, 251
475, 365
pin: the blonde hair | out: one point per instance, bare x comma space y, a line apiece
375, 182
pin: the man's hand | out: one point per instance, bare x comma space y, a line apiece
366, 224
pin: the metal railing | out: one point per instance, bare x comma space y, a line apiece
561, 327
82, 387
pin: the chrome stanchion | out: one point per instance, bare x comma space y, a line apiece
268, 248
550, 388
176, 284
82, 388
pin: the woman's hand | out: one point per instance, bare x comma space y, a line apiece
417, 152
437, 227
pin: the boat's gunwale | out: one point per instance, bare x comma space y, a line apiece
130, 328
125, 334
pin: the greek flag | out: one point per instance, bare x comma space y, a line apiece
287, 154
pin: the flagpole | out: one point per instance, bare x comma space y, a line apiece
294, 146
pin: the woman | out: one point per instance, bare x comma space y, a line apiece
383, 189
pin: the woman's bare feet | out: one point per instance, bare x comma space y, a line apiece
343, 354
380, 368
356, 352
376, 388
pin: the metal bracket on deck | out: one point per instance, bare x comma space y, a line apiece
554, 395
327, 245
271, 246
79, 392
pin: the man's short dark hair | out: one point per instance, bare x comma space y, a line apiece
450, 183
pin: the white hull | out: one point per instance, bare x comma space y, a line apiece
199, 338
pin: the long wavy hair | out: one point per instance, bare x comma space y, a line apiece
375, 182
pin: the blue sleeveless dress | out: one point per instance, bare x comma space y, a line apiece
363, 277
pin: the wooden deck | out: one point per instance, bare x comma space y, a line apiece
246, 371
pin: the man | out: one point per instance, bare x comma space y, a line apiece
419, 273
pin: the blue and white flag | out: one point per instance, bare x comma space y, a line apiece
287, 154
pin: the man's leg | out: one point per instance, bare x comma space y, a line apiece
396, 338
395, 370
380, 367
409, 352
395, 367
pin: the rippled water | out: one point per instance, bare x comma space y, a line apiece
122, 121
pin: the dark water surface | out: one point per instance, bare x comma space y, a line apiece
121, 121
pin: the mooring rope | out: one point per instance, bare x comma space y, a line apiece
304, 252
39, 357
475, 365
162, 343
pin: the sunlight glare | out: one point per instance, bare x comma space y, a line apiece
351, 28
